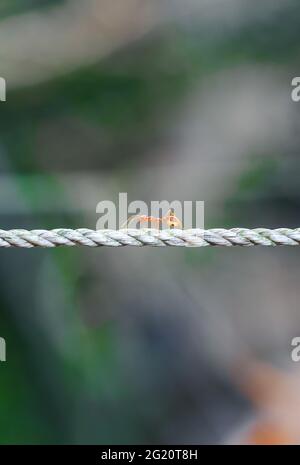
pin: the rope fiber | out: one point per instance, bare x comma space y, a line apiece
149, 237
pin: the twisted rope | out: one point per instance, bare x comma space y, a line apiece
153, 237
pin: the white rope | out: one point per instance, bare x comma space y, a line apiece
153, 237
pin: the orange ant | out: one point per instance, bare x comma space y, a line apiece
169, 219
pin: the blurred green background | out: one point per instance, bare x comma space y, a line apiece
163, 99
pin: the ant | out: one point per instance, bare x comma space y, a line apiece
169, 219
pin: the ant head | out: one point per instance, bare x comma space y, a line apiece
171, 220
174, 222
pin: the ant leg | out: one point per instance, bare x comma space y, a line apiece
131, 218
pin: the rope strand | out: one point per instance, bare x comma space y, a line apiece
149, 237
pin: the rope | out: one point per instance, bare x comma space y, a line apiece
152, 237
